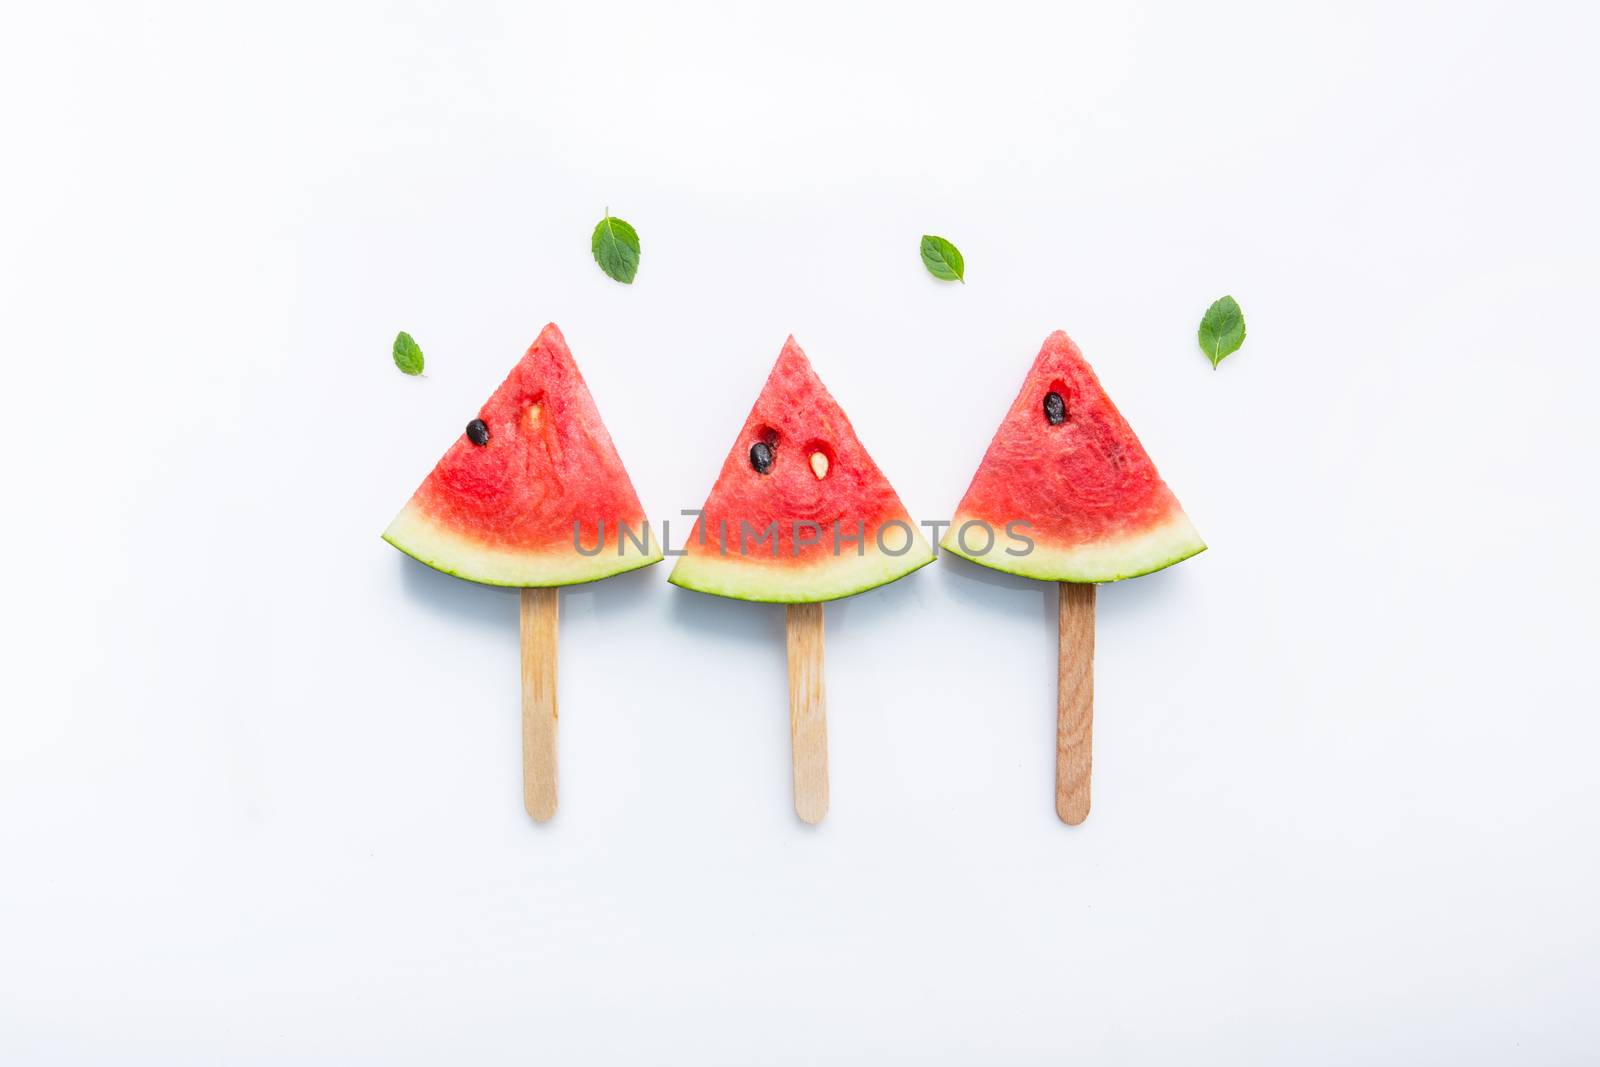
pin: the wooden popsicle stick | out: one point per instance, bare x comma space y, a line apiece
539, 624
808, 712
1075, 703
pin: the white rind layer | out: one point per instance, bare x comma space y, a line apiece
419, 537
752, 577
1109, 560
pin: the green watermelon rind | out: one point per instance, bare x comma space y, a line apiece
448, 552
1145, 552
836, 577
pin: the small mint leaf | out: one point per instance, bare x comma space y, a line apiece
615, 246
943, 259
407, 354
1222, 330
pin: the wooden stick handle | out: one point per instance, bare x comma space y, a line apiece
539, 623
808, 712
1075, 703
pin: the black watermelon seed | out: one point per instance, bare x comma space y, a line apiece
1055, 408
478, 432
761, 457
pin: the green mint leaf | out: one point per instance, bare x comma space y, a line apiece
407, 355
943, 259
615, 245
1222, 330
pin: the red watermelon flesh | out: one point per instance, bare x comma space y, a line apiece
503, 512
1094, 505
797, 420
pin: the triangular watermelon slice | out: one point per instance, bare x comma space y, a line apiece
1071, 469
800, 512
501, 505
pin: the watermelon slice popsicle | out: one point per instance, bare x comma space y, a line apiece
532, 478
800, 515
1065, 462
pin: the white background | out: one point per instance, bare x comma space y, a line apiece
259, 773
